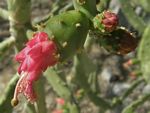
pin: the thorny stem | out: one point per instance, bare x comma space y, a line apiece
80, 75
60, 87
19, 17
88, 7
6, 45
40, 91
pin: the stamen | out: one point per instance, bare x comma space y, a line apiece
18, 89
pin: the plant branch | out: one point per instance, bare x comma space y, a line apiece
88, 7
40, 89
82, 69
19, 17
6, 45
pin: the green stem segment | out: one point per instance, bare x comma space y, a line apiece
40, 90
88, 7
61, 89
19, 17
6, 45
81, 72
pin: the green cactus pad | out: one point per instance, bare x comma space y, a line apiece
144, 54
69, 30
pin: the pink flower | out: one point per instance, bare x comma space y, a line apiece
109, 20
60, 101
39, 53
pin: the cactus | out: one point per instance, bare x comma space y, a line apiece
83, 68
143, 54
5, 46
88, 7
19, 16
69, 30
61, 88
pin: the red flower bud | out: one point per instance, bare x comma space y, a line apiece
110, 21
106, 21
39, 53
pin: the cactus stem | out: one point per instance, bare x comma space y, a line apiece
64, 44
78, 25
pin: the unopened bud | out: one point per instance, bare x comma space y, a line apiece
106, 21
